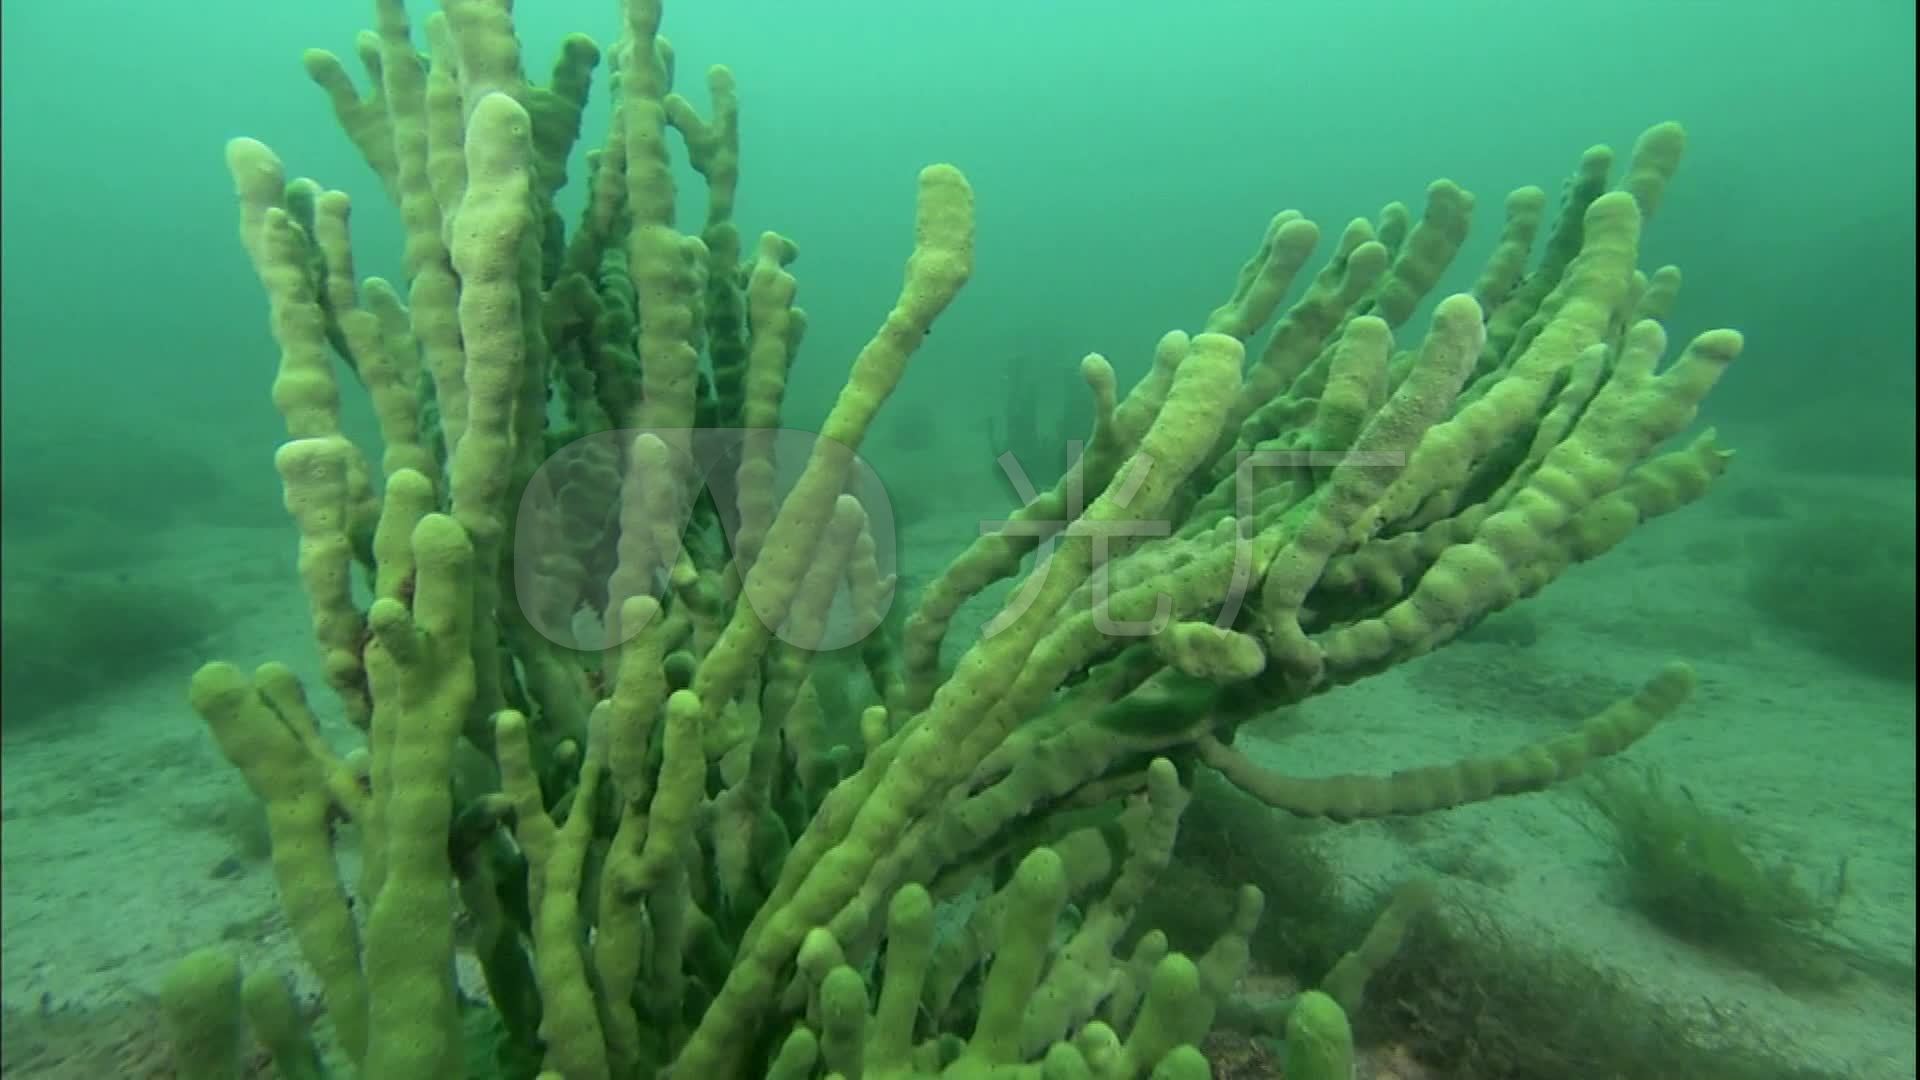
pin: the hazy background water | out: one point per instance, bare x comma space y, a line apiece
1126, 156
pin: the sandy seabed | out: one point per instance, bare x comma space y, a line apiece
116, 857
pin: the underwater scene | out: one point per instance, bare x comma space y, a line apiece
1051, 541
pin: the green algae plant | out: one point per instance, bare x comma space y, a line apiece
581, 564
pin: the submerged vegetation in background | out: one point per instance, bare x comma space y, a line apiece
1472, 1000
67, 638
1843, 582
1700, 876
